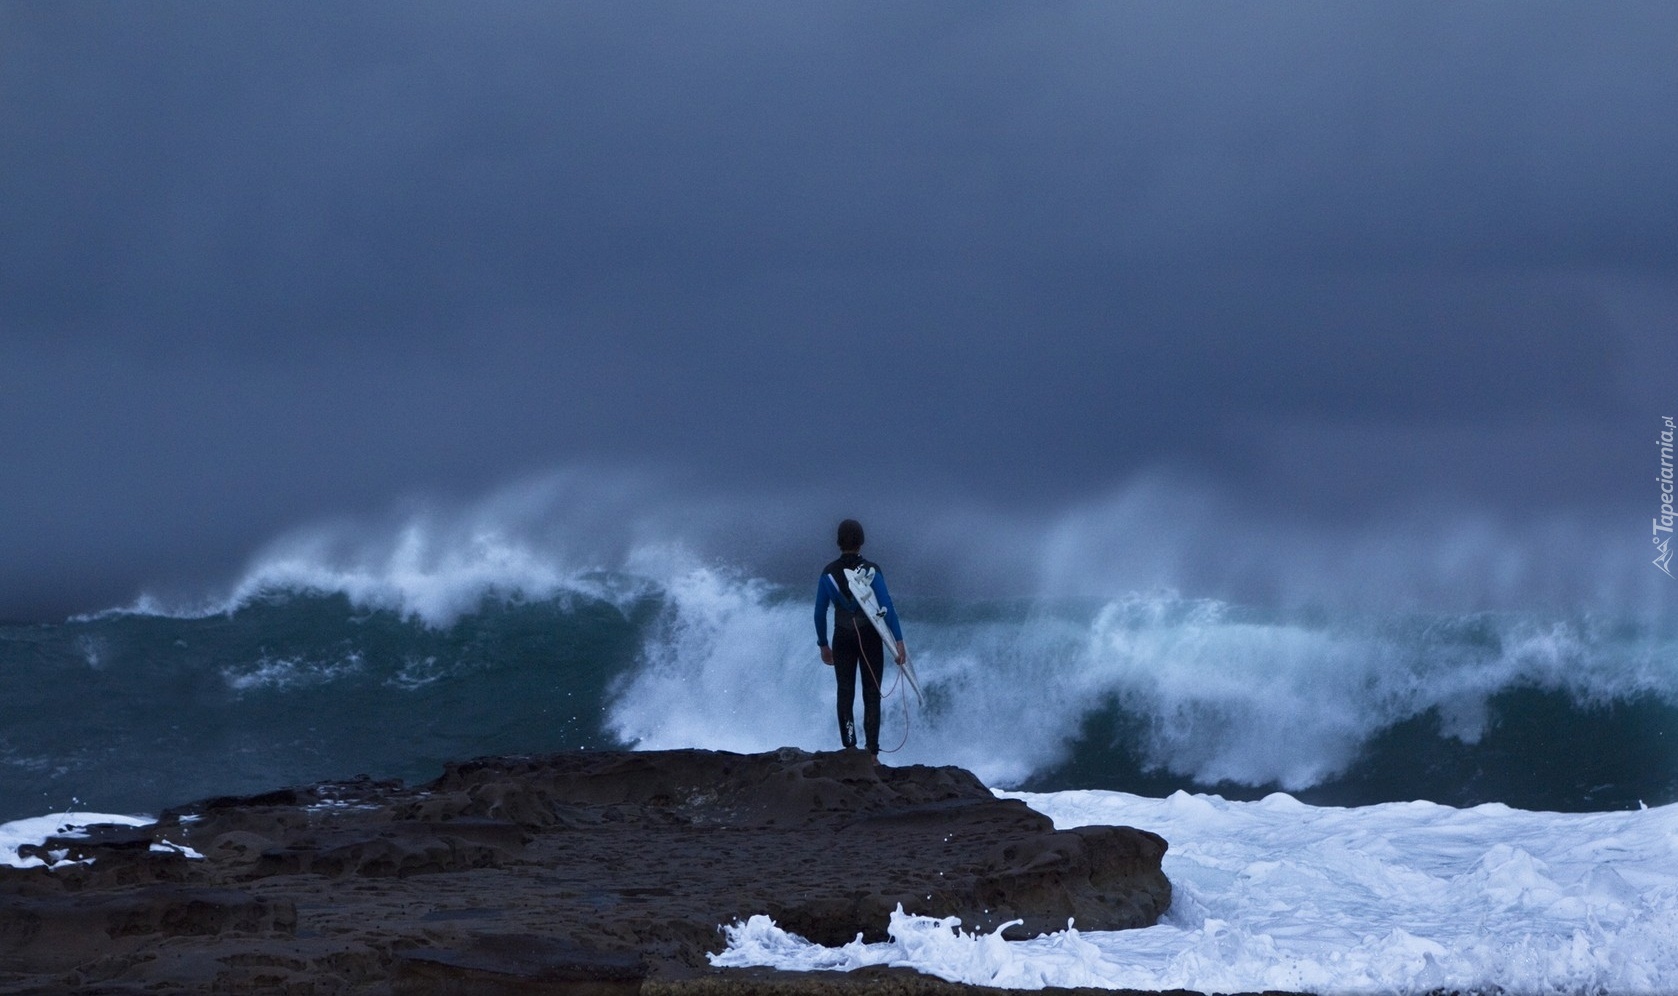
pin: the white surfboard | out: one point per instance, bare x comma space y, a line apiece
861, 582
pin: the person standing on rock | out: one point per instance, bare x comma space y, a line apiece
856, 643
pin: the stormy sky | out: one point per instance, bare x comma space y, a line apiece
267, 264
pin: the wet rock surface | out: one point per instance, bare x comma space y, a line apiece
596, 872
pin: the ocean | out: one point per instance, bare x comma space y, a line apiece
1357, 799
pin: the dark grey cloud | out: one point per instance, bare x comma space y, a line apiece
265, 263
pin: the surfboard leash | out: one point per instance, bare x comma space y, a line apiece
883, 694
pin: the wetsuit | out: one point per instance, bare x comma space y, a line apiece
855, 641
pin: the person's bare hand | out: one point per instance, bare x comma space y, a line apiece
827, 655
902, 654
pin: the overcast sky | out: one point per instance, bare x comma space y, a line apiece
262, 264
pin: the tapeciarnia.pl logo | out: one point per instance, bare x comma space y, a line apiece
1663, 522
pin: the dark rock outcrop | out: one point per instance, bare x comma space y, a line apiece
581, 872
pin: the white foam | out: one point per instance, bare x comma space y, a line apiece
729, 667
1288, 703
170, 847
36, 829
276, 672
1275, 894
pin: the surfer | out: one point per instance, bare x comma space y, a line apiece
856, 641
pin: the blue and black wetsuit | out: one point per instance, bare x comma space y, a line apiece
855, 640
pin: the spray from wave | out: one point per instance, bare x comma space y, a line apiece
585, 611
1208, 692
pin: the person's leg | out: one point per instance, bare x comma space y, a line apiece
844, 673
873, 672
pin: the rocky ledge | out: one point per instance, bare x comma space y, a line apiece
583, 872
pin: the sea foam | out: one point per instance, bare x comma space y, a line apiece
1275, 894
36, 829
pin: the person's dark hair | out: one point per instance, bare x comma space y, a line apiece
850, 535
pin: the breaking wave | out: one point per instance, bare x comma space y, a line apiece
563, 616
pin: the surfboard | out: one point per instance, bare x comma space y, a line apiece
861, 582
